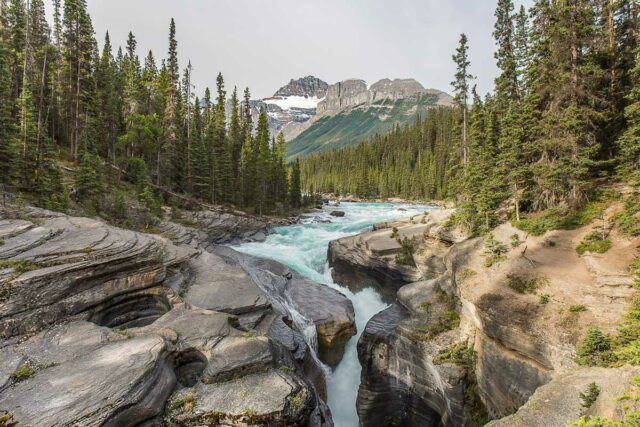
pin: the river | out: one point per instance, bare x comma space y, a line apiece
303, 247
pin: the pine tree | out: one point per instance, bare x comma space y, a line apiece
237, 139
79, 50
504, 32
88, 181
629, 142
295, 194
262, 155
461, 90
9, 144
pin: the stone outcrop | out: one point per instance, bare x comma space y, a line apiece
369, 259
104, 326
455, 298
304, 86
354, 93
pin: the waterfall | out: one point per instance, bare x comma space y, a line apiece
303, 248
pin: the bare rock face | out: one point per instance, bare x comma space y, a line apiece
304, 86
104, 326
342, 95
85, 387
558, 403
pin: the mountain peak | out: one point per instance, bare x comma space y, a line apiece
309, 86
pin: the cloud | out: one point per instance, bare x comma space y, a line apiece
262, 44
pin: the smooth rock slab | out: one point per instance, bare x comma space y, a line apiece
221, 286
237, 356
123, 383
273, 398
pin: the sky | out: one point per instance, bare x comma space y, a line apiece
263, 44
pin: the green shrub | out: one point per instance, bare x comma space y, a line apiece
459, 354
594, 349
590, 396
544, 299
394, 232
407, 249
24, 372
629, 219
523, 284
296, 400
631, 418
560, 218
494, 251
594, 242
577, 308
515, 240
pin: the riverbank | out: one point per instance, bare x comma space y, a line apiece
333, 198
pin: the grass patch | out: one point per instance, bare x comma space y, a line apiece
494, 251
524, 284
544, 299
425, 306
459, 354
394, 233
25, 371
629, 219
560, 218
443, 321
590, 395
296, 400
577, 308
594, 242
18, 266
466, 273
515, 240
181, 403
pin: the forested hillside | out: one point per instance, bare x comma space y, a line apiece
411, 162
352, 126
108, 117
563, 119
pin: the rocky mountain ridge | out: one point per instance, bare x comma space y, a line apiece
298, 105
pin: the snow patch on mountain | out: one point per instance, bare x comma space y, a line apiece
289, 102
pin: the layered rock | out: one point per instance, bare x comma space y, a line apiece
192, 336
369, 259
472, 299
330, 312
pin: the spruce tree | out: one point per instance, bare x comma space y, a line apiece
504, 33
295, 193
461, 90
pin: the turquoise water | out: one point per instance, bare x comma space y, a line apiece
303, 247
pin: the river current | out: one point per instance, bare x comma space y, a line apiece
303, 247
